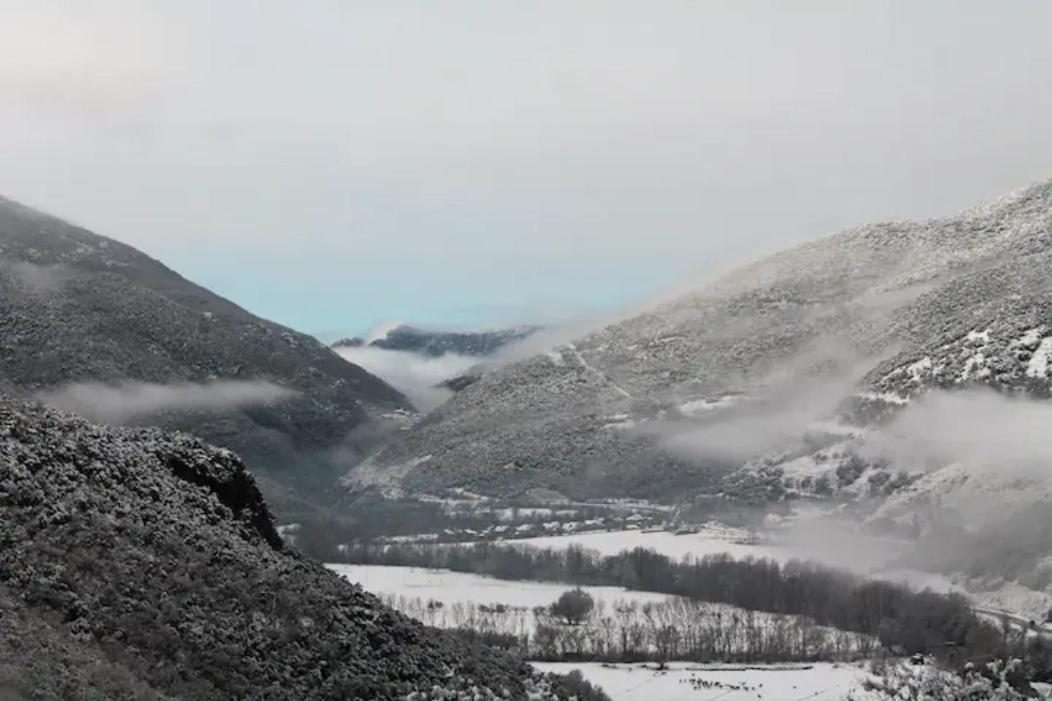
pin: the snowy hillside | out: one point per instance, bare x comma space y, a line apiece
786, 367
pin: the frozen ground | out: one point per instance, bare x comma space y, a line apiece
456, 587
506, 607
708, 541
818, 682
810, 540
829, 545
867, 556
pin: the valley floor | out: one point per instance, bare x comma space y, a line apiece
687, 682
452, 588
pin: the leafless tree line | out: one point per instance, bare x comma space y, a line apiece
678, 629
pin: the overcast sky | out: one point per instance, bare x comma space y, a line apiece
332, 164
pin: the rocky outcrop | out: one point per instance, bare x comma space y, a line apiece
136, 563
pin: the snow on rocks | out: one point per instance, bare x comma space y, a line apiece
1037, 367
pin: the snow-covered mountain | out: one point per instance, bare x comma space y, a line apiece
95, 326
789, 376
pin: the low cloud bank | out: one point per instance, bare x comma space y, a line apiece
773, 414
124, 401
415, 375
1002, 434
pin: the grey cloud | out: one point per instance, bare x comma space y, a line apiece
773, 414
124, 401
414, 375
1005, 435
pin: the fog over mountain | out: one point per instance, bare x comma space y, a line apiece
709, 350
428, 365
95, 326
773, 374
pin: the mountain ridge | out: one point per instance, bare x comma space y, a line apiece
594, 417
76, 307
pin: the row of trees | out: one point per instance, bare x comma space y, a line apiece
903, 620
576, 628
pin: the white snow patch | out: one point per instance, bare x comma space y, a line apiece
886, 397
452, 588
1038, 365
1017, 599
698, 407
830, 546
710, 540
975, 366
918, 369
619, 421
1030, 337
641, 682
978, 336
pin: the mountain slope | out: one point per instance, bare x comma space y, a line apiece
438, 343
675, 399
77, 307
140, 564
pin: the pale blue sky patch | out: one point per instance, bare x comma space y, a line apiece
333, 164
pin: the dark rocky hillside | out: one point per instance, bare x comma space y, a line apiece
78, 307
140, 564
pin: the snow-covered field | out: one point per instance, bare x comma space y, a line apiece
865, 555
456, 587
508, 607
707, 541
826, 544
687, 681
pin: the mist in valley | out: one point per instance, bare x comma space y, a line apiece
419, 377
729, 373
128, 400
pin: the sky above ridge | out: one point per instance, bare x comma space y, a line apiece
335, 164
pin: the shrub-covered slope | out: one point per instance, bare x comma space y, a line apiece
136, 563
882, 312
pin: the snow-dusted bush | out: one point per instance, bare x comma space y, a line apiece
904, 683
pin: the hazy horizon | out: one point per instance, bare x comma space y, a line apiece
333, 166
